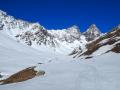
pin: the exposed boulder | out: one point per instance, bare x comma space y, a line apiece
23, 75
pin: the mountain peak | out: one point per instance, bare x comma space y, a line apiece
73, 29
93, 25
118, 26
74, 26
2, 12
92, 32
93, 28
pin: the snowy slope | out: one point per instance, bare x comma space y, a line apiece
68, 35
14, 54
62, 73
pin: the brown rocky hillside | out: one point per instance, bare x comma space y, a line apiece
111, 38
22, 75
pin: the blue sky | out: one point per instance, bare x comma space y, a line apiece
58, 14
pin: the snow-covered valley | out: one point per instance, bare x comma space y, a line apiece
62, 72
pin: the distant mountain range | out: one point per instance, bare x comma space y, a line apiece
35, 35
109, 42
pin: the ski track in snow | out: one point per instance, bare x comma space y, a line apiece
88, 79
62, 72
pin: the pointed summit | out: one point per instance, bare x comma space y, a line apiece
74, 26
2, 12
92, 32
118, 26
93, 29
74, 29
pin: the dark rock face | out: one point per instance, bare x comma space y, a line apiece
76, 50
39, 37
116, 48
1, 76
111, 37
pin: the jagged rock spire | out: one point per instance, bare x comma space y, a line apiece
92, 32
